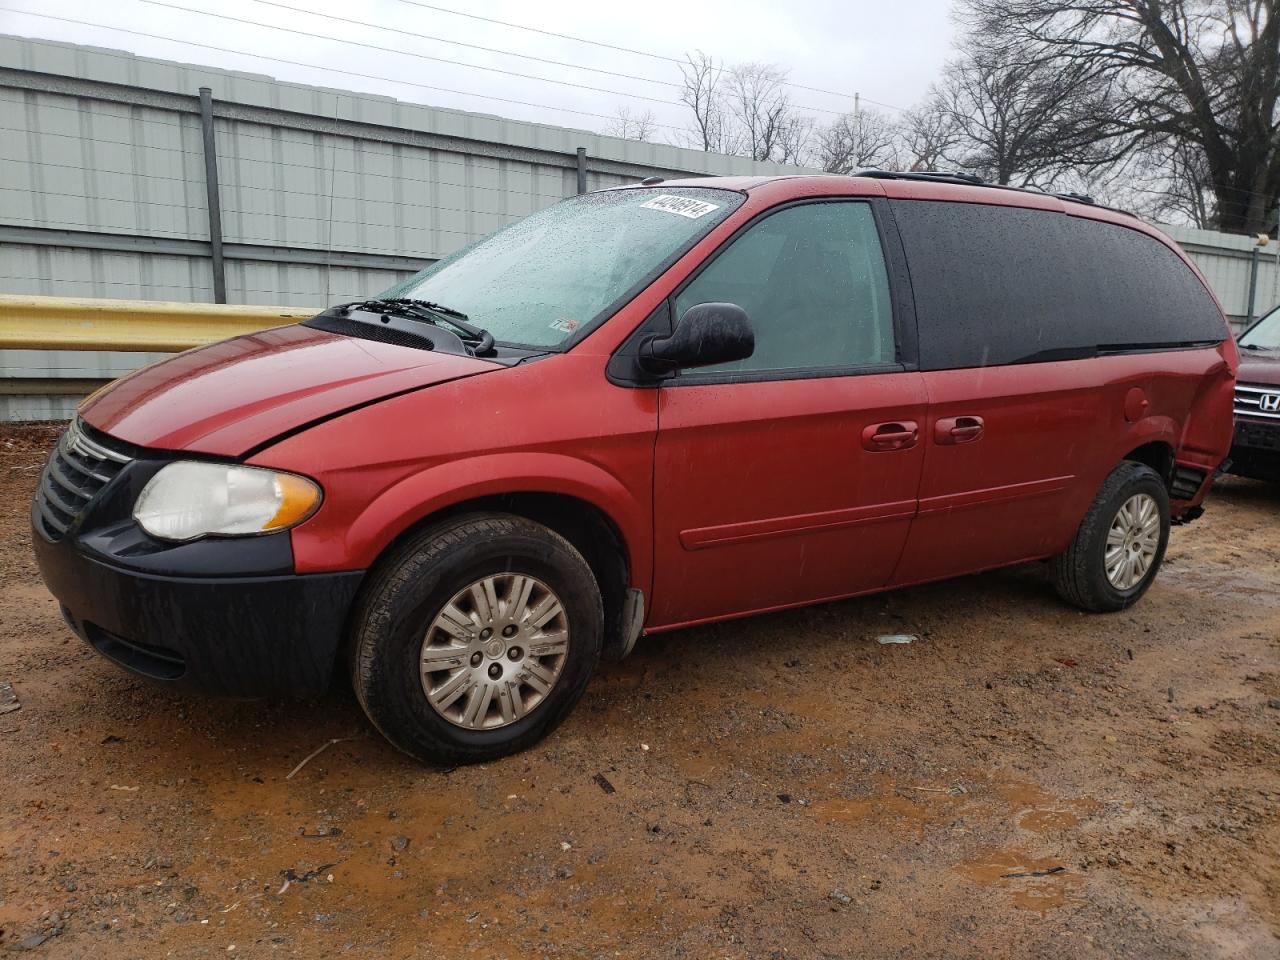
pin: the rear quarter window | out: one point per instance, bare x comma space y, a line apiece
1000, 285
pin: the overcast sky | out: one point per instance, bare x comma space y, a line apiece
889, 53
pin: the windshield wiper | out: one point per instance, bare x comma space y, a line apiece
1257, 346
432, 313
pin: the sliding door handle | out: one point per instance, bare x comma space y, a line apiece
896, 435
953, 430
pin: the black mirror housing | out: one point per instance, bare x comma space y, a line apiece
706, 334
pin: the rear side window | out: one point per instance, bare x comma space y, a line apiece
1000, 285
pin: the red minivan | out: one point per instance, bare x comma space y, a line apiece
637, 410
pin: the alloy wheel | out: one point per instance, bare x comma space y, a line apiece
1132, 541
495, 651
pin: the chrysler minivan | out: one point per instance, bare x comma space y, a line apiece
637, 410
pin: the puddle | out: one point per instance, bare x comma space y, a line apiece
909, 807
1039, 894
916, 806
1040, 811
1047, 820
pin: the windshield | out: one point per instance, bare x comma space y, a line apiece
546, 277
1265, 334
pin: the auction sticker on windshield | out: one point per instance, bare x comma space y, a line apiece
681, 206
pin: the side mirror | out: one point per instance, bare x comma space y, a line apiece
707, 333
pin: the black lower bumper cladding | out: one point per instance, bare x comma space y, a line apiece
239, 636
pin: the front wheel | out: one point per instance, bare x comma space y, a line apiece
1120, 543
476, 638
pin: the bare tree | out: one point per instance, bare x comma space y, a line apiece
1171, 182
927, 133
702, 92
1202, 72
762, 110
795, 140
859, 140
633, 126
1019, 119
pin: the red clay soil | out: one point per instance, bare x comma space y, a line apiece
1021, 781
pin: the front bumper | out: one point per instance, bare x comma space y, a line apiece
225, 615
1255, 451
240, 636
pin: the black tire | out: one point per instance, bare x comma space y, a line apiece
1079, 575
409, 589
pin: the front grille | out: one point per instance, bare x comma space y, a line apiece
1257, 400
78, 470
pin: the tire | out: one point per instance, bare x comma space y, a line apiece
397, 625
1080, 575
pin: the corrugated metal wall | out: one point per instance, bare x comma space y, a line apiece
1225, 260
326, 195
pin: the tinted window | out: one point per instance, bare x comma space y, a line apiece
998, 285
812, 279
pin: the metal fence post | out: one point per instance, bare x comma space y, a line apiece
1253, 281
582, 169
211, 192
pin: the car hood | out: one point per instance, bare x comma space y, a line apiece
1261, 367
231, 397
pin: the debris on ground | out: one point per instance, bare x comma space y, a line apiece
890, 638
955, 790
291, 876
315, 753
8, 699
603, 782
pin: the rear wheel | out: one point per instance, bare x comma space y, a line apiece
476, 638
1120, 543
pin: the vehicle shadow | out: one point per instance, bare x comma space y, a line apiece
1246, 492
190, 731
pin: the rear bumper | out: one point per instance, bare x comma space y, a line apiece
239, 636
1255, 451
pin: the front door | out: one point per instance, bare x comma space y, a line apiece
789, 477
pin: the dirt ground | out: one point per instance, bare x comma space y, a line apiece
780, 787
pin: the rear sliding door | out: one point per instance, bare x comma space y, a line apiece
1025, 317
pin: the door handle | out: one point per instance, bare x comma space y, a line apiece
896, 435
952, 430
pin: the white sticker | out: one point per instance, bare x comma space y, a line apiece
564, 325
681, 206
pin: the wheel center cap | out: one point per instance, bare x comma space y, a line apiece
495, 648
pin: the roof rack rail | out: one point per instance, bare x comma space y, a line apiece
967, 179
1077, 197
942, 176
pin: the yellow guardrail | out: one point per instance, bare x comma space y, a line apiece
63, 323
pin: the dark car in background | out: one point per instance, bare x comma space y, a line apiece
1256, 450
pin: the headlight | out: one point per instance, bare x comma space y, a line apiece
189, 499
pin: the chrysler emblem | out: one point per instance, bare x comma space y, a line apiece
1269, 403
